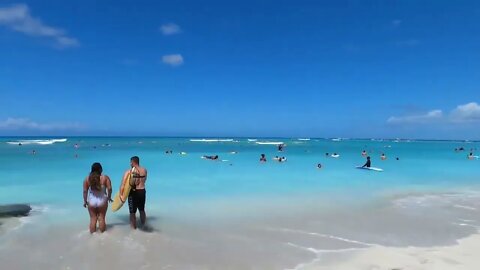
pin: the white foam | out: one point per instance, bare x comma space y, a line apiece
327, 236
252, 140
39, 142
269, 143
304, 139
465, 207
211, 140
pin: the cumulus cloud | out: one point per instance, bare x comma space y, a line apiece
469, 112
18, 18
170, 29
173, 59
466, 113
430, 116
27, 124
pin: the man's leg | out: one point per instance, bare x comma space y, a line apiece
141, 205
132, 207
133, 221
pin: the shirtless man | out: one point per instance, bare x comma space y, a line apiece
136, 199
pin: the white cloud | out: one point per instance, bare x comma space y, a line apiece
170, 29
173, 59
469, 112
430, 116
466, 113
18, 18
27, 124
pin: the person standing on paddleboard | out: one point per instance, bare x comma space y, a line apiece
137, 196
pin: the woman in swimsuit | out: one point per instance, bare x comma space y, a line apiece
97, 192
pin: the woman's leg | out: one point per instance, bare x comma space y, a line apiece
102, 212
93, 219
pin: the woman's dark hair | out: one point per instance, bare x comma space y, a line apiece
94, 177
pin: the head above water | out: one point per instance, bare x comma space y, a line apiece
368, 158
134, 161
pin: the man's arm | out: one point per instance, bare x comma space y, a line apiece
109, 188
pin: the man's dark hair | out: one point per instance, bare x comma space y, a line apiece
135, 159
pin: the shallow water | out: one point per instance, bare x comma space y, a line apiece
216, 211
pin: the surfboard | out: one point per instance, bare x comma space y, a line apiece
117, 201
335, 156
370, 168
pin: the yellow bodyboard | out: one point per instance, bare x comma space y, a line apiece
117, 201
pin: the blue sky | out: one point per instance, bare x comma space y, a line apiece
242, 68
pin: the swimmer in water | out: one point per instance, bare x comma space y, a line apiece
280, 147
211, 157
364, 153
319, 166
470, 156
383, 157
263, 159
367, 164
327, 154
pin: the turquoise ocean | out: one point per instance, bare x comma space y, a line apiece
53, 176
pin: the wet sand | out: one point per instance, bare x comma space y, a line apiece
407, 231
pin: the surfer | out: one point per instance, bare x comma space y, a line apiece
263, 159
367, 164
97, 192
211, 157
137, 196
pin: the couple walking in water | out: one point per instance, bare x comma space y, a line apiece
97, 192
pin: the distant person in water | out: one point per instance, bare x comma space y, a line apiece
364, 153
367, 164
97, 192
137, 196
211, 157
383, 157
397, 158
471, 156
319, 166
327, 154
34, 152
280, 147
263, 158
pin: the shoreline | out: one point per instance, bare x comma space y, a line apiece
308, 238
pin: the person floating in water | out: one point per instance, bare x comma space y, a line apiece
211, 157
319, 166
364, 153
280, 147
263, 159
137, 196
367, 164
383, 157
327, 154
471, 156
97, 192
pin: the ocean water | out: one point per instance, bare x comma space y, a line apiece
54, 175
236, 213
